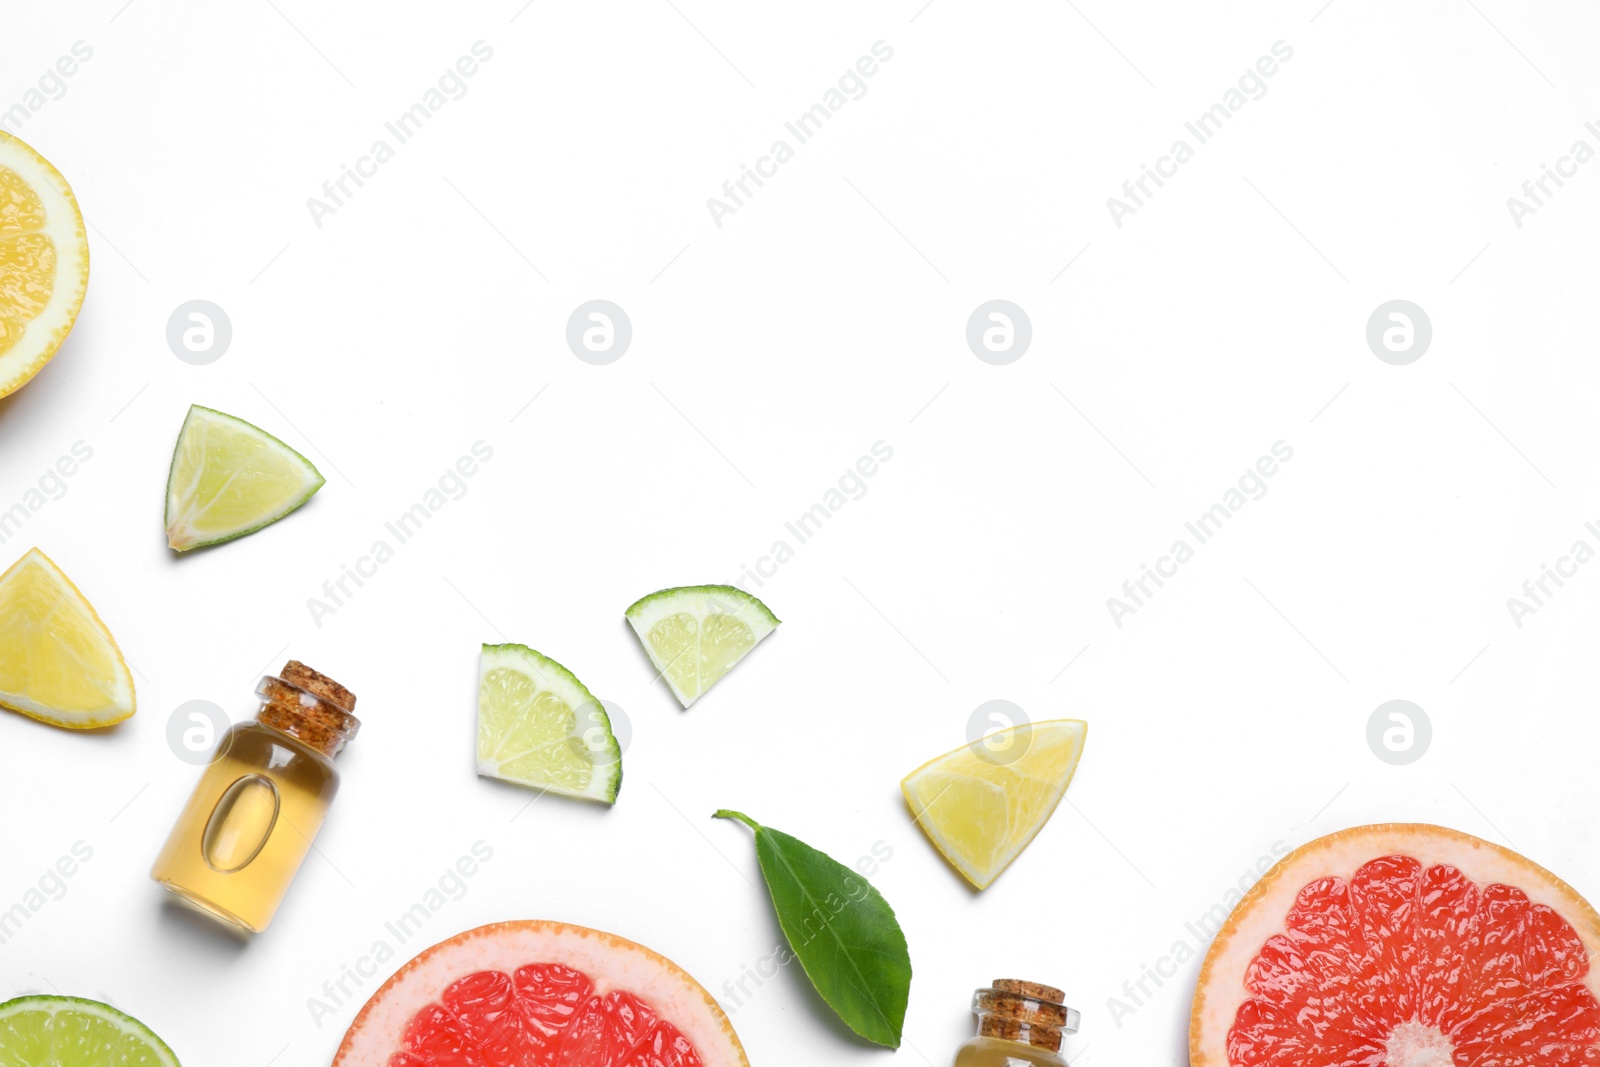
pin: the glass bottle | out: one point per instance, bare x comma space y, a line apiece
1020, 1024
261, 800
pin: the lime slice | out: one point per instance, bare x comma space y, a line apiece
539, 727
230, 478
696, 633
71, 1032
983, 803
58, 662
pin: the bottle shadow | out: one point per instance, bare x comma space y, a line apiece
184, 922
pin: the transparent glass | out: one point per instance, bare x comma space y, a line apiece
1020, 1024
250, 821
993, 1052
248, 825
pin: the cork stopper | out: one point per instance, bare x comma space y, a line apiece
1047, 994
309, 706
1025, 1012
318, 685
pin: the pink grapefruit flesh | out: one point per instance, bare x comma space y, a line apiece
1401, 946
540, 994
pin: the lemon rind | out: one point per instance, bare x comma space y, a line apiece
45, 334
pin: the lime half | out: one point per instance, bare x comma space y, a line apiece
70, 1032
696, 633
230, 478
539, 727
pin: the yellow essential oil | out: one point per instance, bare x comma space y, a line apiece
251, 820
1020, 1024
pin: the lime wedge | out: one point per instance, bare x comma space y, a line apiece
983, 803
58, 662
230, 478
70, 1032
696, 633
539, 727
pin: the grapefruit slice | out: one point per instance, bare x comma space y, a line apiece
1401, 945
540, 994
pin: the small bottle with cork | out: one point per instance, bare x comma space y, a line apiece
1020, 1024
260, 802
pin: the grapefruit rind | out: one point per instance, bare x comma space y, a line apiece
1220, 989
611, 962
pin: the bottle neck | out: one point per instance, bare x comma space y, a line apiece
308, 716
1025, 1012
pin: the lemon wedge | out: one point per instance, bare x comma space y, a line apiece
983, 803
44, 262
58, 662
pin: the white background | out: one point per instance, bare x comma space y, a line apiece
768, 355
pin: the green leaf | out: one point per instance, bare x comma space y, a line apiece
841, 929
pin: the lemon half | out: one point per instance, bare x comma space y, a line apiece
44, 262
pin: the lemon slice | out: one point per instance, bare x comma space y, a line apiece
981, 804
230, 478
539, 727
694, 634
58, 661
72, 1032
44, 262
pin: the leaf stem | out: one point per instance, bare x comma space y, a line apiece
727, 813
